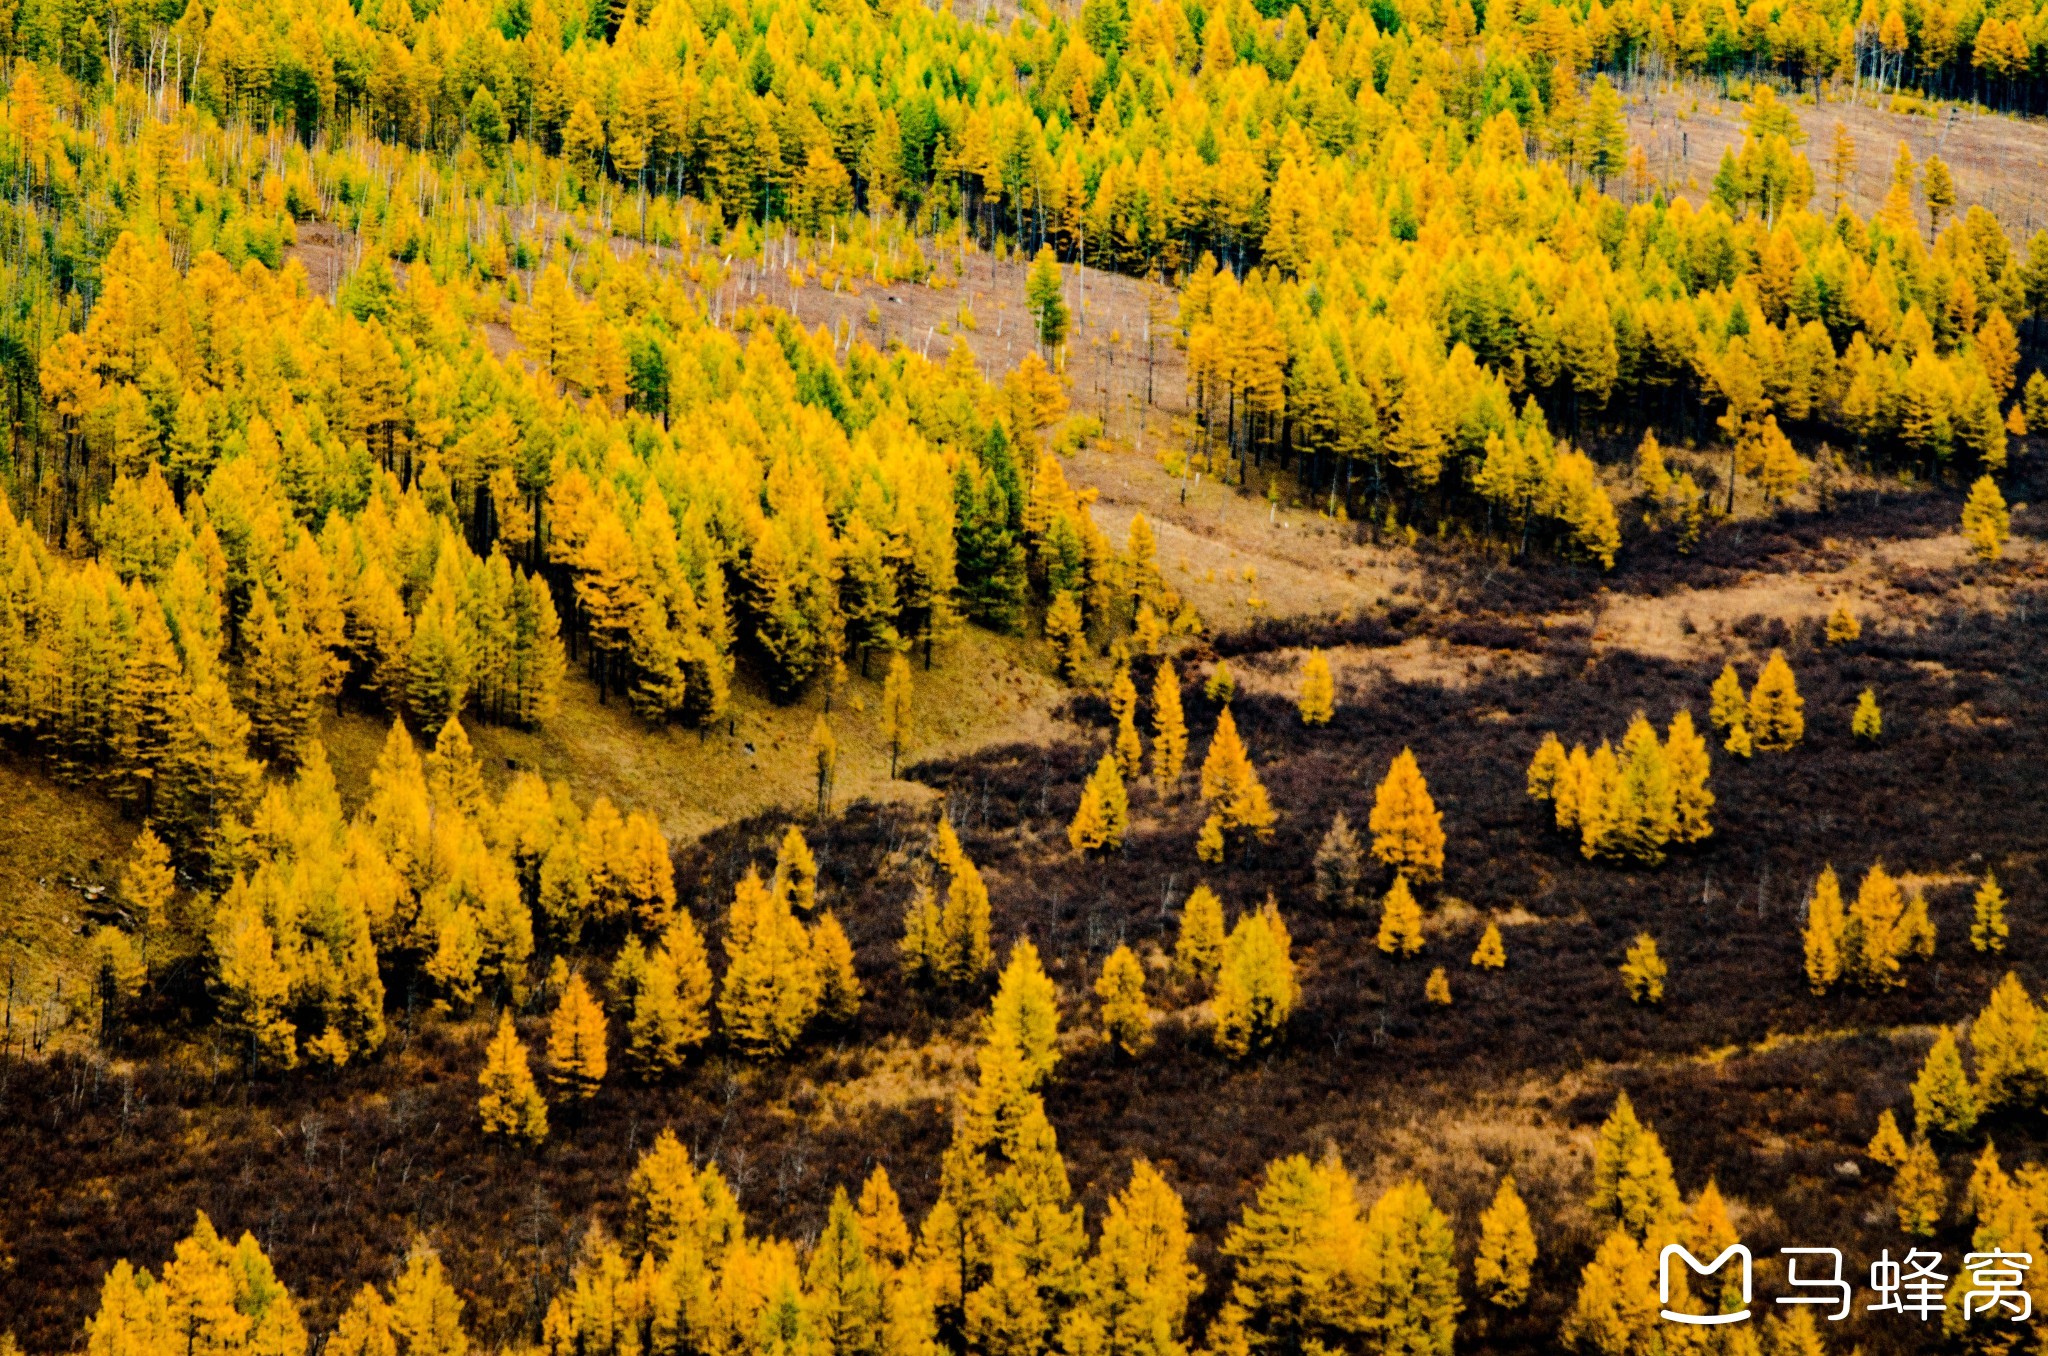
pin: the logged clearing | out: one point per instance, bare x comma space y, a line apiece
1999, 163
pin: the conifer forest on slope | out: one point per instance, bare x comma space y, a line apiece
687, 678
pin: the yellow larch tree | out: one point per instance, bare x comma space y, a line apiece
1238, 806
1198, 950
577, 1054
1400, 920
839, 986
1169, 730
1643, 971
1126, 1016
671, 1002
1026, 1013
1123, 708
511, 1104
1987, 524
1777, 719
1492, 952
1826, 924
796, 872
1407, 829
1507, 1249
1103, 816
897, 710
1988, 928
1256, 988
1318, 699
771, 989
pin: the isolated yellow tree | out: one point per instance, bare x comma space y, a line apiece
1643, 971
1492, 952
1198, 950
1988, 928
897, 710
1169, 730
1507, 1249
1987, 524
1256, 989
1340, 866
1238, 806
1318, 700
1867, 722
1437, 988
511, 1105
1843, 625
1221, 686
1126, 1016
1777, 719
1407, 830
796, 872
576, 1043
1104, 814
1400, 920
1026, 1013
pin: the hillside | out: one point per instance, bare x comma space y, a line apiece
1156, 678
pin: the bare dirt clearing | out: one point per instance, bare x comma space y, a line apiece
1999, 162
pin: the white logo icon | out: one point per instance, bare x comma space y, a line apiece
1664, 1282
